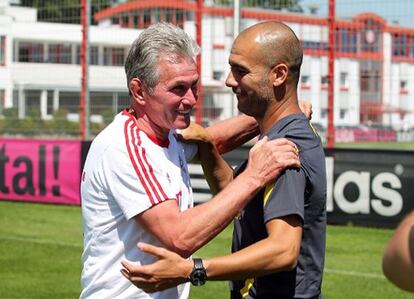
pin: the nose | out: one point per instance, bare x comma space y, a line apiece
230, 81
191, 96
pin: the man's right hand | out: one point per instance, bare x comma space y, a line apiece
267, 159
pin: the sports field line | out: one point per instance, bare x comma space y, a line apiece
41, 242
354, 273
80, 246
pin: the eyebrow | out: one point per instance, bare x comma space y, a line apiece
232, 63
238, 65
182, 82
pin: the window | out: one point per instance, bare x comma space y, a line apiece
15, 98
311, 45
115, 20
377, 81
217, 75
353, 42
365, 79
371, 37
346, 41
123, 100
305, 81
228, 26
155, 15
324, 113
403, 86
179, 18
60, 53
342, 113
101, 102
93, 55
32, 97
114, 56
135, 21
147, 17
124, 21
49, 104
343, 79
169, 15
324, 81
402, 45
2, 50
412, 46
371, 81
69, 101
30, 52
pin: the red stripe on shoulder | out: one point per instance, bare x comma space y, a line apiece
137, 142
151, 171
132, 155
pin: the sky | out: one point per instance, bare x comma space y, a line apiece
401, 11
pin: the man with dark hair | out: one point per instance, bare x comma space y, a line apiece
135, 184
398, 259
279, 237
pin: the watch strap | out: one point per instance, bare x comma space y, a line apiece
198, 276
198, 264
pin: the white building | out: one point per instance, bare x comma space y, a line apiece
374, 66
40, 64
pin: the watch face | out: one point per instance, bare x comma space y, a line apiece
198, 277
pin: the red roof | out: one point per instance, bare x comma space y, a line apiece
253, 13
380, 108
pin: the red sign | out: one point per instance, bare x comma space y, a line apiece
40, 170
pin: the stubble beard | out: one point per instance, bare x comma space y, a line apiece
257, 104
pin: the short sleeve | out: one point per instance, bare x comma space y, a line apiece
190, 150
286, 197
135, 187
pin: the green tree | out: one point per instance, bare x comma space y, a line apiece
68, 11
289, 5
64, 11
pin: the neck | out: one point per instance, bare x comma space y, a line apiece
146, 125
278, 110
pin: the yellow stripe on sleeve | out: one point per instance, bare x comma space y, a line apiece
247, 285
268, 191
313, 129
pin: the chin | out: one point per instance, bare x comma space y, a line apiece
182, 124
244, 110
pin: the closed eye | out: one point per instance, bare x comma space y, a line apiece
179, 89
239, 71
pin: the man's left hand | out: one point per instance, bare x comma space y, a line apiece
169, 271
195, 133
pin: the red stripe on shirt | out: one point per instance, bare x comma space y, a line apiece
131, 157
158, 141
151, 171
147, 169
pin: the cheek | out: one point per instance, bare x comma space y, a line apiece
248, 85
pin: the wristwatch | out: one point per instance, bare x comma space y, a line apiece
198, 276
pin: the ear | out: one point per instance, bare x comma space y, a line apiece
279, 74
136, 87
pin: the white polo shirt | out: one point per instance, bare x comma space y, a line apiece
126, 172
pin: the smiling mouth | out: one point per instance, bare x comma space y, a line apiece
184, 112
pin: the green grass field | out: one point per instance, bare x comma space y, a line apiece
401, 146
41, 246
